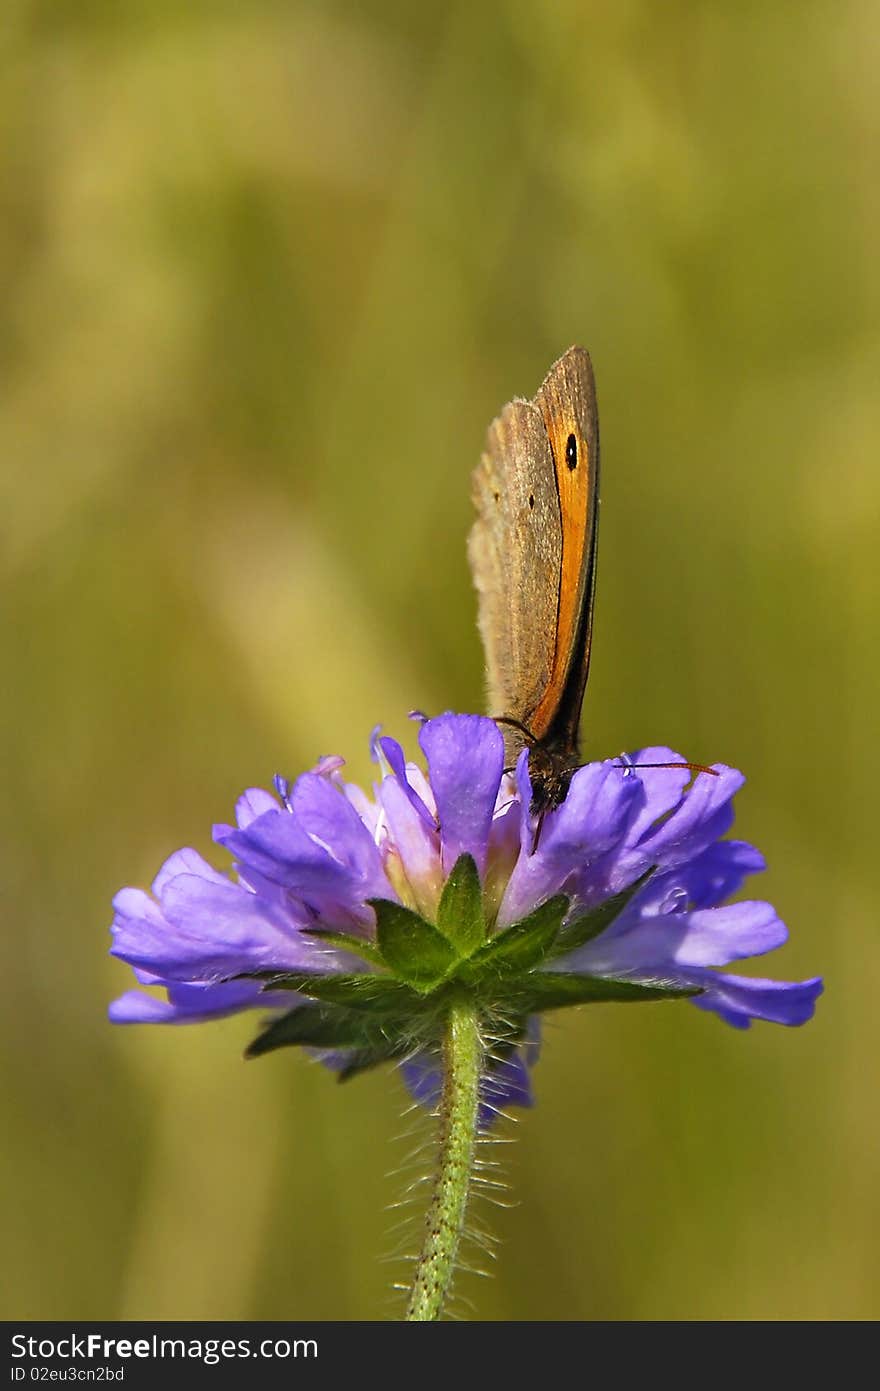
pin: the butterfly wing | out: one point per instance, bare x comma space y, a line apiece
515, 550
567, 402
533, 554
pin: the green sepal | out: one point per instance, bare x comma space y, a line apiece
314, 1026
460, 915
543, 990
415, 951
576, 934
520, 947
363, 1059
361, 992
345, 941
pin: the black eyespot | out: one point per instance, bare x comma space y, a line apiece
497, 497
571, 452
531, 499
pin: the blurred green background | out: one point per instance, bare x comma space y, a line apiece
268, 272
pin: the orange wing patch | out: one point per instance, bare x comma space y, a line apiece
573, 465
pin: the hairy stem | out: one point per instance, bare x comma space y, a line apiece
459, 1116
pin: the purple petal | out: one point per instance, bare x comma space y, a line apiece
422, 788
740, 999
186, 862
661, 788
251, 804
423, 1075
591, 820
188, 1004
593, 816
133, 906
663, 943
330, 819
134, 1007
523, 783
332, 871
504, 846
277, 847
715, 874
465, 756
701, 883
364, 806
507, 1083
703, 816
397, 763
206, 931
415, 844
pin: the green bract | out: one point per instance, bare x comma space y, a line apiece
417, 968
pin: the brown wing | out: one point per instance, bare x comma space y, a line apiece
567, 402
533, 553
515, 550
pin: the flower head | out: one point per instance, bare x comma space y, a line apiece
355, 916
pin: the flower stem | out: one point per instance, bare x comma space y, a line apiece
459, 1116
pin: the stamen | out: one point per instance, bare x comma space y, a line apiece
676, 901
282, 787
328, 763
375, 747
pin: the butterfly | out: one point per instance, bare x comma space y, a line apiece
533, 550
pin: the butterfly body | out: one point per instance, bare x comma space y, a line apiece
533, 556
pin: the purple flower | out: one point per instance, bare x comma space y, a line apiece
633, 864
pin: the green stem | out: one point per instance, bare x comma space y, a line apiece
459, 1115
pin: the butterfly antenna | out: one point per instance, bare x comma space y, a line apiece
694, 767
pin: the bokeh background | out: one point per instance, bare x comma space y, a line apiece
268, 272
